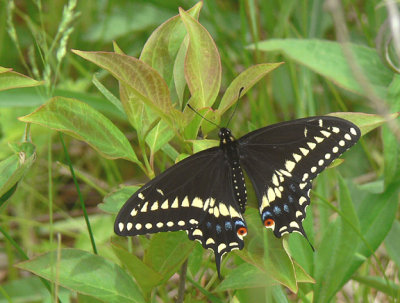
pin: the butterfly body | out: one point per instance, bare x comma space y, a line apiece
205, 194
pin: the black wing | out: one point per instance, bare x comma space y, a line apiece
282, 160
196, 195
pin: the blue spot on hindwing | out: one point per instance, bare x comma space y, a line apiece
290, 198
266, 214
208, 224
228, 225
277, 210
241, 223
218, 228
286, 208
292, 187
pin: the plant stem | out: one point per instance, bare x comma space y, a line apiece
182, 280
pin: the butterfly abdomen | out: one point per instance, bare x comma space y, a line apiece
231, 152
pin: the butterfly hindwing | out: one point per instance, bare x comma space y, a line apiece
282, 160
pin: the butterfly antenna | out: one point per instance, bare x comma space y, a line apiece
202, 116
237, 103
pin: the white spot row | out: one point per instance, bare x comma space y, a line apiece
139, 226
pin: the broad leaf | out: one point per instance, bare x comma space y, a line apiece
202, 64
392, 243
28, 290
167, 252
199, 145
245, 276
327, 59
143, 83
113, 202
14, 167
246, 79
5, 69
11, 79
146, 277
81, 121
85, 273
164, 43
366, 122
337, 248
143, 119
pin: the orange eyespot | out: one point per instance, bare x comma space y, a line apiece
269, 222
242, 231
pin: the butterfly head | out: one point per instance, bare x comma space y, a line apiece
225, 135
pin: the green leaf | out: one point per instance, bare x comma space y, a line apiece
5, 69
246, 79
279, 263
275, 261
301, 275
392, 243
10, 79
29, 290
143, 119
179, 71
337, 249
160, 135
377, 213
81, 121
245, 276
146, 277
388, 287
366, 122
390, 142
162, 47
143, 83
202, 64
327, 59
167, 252
13, 169
199, 145
85, 273
113, 202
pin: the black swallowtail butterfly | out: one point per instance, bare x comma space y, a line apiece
205, 194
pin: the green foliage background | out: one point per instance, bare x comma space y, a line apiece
125, 121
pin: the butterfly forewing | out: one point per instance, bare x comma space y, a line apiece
196, 195
282, 160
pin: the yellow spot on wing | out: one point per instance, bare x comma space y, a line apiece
304, 151
290, 165
175, 203
223, 209
302, 200
210, 241
233, 212
271, 195
144, 208
154, 206
221, 247
197, 202
165, 204
296, 157
185, 202
311, 145
197, 232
